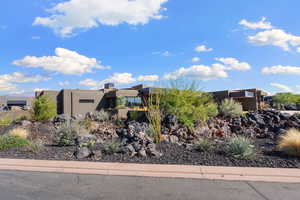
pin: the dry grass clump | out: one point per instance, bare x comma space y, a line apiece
20, 132
230, 108
6, 118
290, 142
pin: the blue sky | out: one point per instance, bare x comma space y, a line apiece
54, 44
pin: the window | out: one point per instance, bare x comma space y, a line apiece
133, 101
86, 101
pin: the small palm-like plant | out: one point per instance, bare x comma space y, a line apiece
204, 145
290, 142
241, 147
114, 146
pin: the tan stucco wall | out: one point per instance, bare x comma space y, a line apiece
83, 108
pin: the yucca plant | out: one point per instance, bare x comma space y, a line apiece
113, 146
290, 142
241, 147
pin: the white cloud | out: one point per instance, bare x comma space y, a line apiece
262, 24
10, 81
150, 78
271, 36
203, 48
205, 73
167, 53
234, 64
39, 89
195, 59
17, 92
68, 16
275, 37
64, 83
282, 87
118, 79
199, 72
65, 62
298, 49
36, 37
279, 69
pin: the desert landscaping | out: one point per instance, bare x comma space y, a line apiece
180, 126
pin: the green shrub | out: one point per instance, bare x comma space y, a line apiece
230, 108
43, 108
154, 116
121, 103
134, 115
204, 145
86, 124
188, 104
241, 147
102, 116
290, 142
113, 146
13, 141
285, 98
36, 146
6, 118
66, 134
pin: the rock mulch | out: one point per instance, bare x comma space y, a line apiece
134, 144
171, 154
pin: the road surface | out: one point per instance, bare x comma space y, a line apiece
16, 185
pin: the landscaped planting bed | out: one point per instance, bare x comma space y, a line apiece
249, 140
172, 154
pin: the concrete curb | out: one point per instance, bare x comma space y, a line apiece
152, 170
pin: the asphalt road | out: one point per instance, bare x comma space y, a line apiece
52, 186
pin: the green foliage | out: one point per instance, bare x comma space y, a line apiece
36, 146
154, 116
66, 134
133, 115
12, 141
230, 108
188, 104
204, 145
121, 103
285, 98
102, 116
113, 146
6, 118
241, 147
90, 143
43, 108
87, 124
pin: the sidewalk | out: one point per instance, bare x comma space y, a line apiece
151, 170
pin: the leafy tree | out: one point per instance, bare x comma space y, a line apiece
284, 98
44, 108
187, 103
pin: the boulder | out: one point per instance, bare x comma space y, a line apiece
82, 152
142, 153
62, 118
25, 123
173, 139
170, 121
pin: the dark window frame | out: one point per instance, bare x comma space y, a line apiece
92, 101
